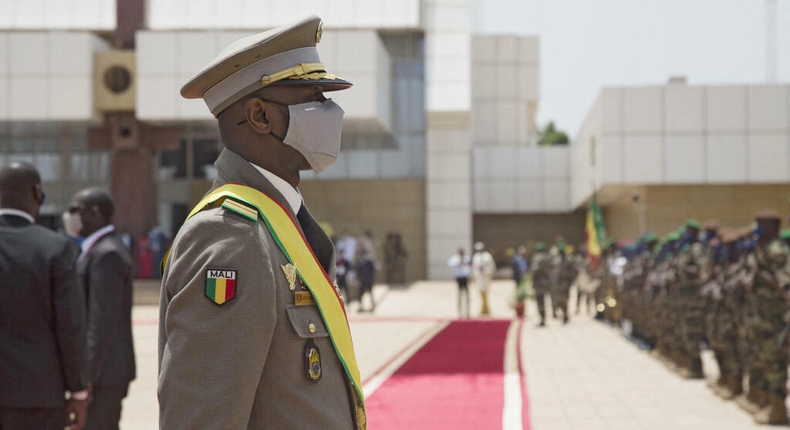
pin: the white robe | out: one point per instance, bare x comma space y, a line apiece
483, 268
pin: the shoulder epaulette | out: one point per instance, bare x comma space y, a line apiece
242, 208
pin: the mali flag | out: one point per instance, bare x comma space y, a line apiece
221, 285
594, 232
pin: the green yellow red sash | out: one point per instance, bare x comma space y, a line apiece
296, 249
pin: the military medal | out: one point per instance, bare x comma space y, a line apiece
290, 275
312, 361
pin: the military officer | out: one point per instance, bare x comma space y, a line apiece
541, 279
564, 274
252, 331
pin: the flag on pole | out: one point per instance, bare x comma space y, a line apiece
594, 232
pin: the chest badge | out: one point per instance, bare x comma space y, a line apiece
312, 359
303, 298
221, 285
290, 275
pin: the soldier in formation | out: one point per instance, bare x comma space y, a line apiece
564, 271
709, 285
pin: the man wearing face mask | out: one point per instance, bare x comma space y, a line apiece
105, 270
42, 314
253, 331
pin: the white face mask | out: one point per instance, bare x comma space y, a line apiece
315, 129
72, 223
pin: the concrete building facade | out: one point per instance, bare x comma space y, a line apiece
660, 154
439, 139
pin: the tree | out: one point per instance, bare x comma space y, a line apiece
550, 136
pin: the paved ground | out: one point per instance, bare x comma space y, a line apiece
581, 376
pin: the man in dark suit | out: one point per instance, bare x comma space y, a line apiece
105, 269
42, 314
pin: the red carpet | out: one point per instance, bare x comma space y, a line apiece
454, 382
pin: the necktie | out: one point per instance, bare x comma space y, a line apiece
314, 237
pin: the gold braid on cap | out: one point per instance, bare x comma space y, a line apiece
317, 75
296, 71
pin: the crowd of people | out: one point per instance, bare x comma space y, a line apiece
546, 274
356, 260
66, 328
709, 286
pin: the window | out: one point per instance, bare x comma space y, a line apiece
204, 153
173, 164
194, 159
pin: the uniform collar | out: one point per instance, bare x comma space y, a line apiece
91, 240
19, 213
291, 194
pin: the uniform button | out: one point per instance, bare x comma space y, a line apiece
311, 327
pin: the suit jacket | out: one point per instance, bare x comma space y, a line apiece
106, 273
42, 317
242, 365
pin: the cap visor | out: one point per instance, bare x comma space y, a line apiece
329, 84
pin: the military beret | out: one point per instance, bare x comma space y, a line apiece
711, 224
767, 215
785, 234
745, 232
284, 55
692, 223
649, 237
729, 236
672, 236
540, 246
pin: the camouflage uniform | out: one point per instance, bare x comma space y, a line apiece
635, 305
769, 306
725, 343
564, 274
741, 281
664, 278
541, 280
690, 309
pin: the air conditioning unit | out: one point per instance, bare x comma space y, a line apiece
114, 80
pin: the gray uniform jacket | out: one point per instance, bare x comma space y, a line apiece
42, 317
106, 272
241, 365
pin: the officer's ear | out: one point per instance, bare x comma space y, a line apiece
259, 115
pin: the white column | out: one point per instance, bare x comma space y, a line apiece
447, 88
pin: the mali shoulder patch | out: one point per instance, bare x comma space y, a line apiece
221, 285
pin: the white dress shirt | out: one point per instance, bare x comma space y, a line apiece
17, 212
91, 240
291, 194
